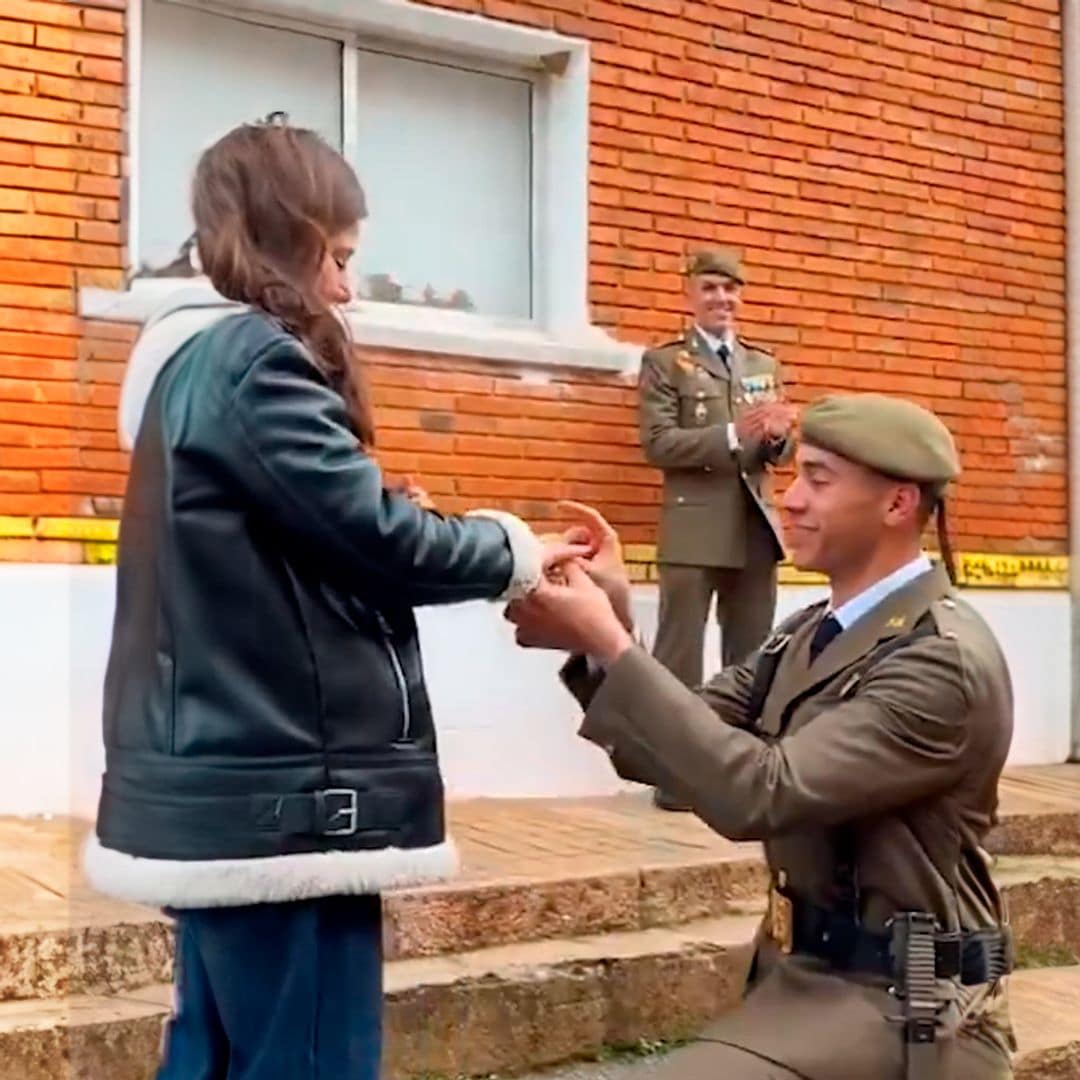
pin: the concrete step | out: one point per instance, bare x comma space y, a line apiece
1039, 813
84, 1037
505, 1011
121, 947
495, 1010
118, 952
1042, 894
1046, 1013
462, 917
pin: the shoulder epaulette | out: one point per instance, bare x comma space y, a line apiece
756, 346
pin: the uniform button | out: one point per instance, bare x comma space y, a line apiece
948, 603
701, 395
680, 499
951, 635
708, 468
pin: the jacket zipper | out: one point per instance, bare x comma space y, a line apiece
399, 675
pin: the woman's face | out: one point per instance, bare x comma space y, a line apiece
334, 284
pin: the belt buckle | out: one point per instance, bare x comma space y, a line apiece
949, 954
348, 811
779, 920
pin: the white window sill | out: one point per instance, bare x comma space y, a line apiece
409, 327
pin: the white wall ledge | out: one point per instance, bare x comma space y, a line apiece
419, 24
408, 327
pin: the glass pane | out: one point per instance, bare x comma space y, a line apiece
203, 74
444, 155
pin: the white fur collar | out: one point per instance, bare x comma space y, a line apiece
164, 334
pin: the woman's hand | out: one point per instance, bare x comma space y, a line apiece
416, 494
560, 549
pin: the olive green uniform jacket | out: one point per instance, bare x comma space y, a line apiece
899, 761
687, 398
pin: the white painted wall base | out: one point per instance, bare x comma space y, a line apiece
507, 728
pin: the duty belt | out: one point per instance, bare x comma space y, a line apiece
972, 956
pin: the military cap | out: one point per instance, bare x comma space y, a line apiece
716, 261
888, 434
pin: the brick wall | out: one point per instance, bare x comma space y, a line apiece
891, 170
61, 101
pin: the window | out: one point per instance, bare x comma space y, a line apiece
202, 74
470, 135
445, 156
442, 146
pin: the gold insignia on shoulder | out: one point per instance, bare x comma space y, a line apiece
756, 346
897, 622
685, 361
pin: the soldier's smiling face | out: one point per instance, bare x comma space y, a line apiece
838, 514
714, 302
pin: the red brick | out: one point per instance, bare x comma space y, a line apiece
773, 133
89, 93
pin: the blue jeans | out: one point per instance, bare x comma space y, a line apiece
278, 992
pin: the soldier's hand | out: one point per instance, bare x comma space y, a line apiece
779, 420
605, 566
573, 615
750, 424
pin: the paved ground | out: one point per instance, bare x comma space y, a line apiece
623, 1068
500, 839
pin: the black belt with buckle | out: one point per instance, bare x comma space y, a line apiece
972, 956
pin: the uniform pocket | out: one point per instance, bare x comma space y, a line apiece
701, 408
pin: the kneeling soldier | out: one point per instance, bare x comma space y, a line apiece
862, 743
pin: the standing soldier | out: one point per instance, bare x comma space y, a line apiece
863, 744
712, 420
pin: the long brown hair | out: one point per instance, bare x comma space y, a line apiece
266, 199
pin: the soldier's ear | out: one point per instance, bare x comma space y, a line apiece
905, 504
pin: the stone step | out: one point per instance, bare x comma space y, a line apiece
99, 958
458, 918
494, 1010
533, 870
1040, 812
135, 949
1042, 895
1046, 1013
122, 947
515, 1007
505, 1011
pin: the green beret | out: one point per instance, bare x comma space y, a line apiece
887, 434
716, 261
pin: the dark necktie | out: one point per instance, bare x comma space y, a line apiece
724, 353
827, 629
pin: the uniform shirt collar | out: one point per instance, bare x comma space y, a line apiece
854, 609
713, 342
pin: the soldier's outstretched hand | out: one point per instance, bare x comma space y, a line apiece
574, 615
605, 566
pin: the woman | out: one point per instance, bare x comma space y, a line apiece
271, 759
